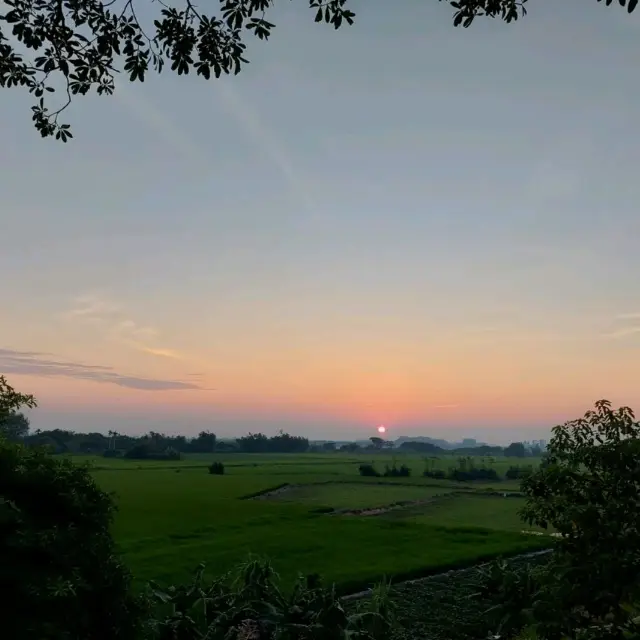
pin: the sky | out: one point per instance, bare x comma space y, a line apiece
397, 223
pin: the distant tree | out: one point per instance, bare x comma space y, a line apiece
280, 443
92, 442
420, 447
286, 443
139, 451
226, 447
80, 45
376, 442
146, 450
253, 443
350, 447
329, 446
61, 437
515, 450
204, 443
482, 450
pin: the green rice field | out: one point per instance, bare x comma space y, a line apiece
174, 515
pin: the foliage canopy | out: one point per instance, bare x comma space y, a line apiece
59, 575
588, 491
79, 45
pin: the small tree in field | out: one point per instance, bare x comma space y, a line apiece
588, 490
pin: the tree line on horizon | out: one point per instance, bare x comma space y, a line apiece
155, 445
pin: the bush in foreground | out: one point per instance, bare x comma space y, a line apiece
250, 606
216, 469
587, 490
59, 575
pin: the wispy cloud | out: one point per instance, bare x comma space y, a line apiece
255, 127
623, 333
632, 321
91, 306
41, 364
445, 406
629, 316
117, 326
149, 114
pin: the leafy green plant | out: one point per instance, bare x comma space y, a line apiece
588, 490
514, 594
59, 573
248, 604
60, 578
13, 424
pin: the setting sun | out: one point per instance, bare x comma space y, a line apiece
382, 429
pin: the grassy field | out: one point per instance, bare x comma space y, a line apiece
175, 515
491, 512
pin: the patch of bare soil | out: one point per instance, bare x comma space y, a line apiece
276, 492
378, 511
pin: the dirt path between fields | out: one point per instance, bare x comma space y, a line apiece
365, 511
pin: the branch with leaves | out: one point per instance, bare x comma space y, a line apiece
76, 46
11, 400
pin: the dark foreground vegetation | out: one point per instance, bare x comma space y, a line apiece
62, 579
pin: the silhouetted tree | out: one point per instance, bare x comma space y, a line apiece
14, 426
515, 450
253, 443
420, 447
204, 443
281, 443
80, 45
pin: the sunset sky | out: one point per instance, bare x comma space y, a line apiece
399, 223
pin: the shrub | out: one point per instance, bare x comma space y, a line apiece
588, 491
111, 453
216, 469
368, 470
437, 474
515, 472
473, 474
251, 605
397, 472
145, 451
59, 575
